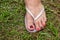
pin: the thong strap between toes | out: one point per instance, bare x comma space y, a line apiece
40, 13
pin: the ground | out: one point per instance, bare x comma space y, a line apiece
12, 26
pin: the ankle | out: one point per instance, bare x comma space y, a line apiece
32, 3
33, 6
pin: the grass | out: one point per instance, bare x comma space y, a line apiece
12, 21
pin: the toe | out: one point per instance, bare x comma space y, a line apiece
40, 24
43, 22
29, 22
44, 17
31, 26
37, 26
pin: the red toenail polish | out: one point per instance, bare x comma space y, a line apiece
38, 29
31, 26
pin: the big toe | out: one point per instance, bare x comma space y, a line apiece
31, 27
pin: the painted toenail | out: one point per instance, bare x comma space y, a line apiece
44, 25
37, 29
31, 26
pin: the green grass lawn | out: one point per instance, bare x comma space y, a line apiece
12, 21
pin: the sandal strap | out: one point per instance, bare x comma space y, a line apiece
40, 13
30, 12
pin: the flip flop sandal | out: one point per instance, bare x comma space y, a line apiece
35, 18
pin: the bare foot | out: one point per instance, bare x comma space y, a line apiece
35, 7
40, 22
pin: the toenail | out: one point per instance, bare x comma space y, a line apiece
44, 25
37, 29
31, 26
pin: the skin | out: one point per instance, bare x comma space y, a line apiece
35, 6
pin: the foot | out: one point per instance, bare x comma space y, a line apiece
40, 22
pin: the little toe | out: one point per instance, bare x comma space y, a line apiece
44, 17
43, 22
